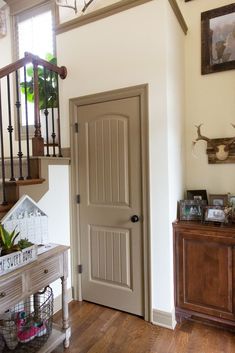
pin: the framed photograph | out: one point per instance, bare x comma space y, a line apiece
231, 200
197, 195
218, 200
218, 39
215, 214
191, 210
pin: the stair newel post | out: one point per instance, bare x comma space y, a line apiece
27, 126
18, 109
10, 128
37, 140
46, 113
53, 134
58, 100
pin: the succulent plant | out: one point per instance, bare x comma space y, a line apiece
7, 241
24, 243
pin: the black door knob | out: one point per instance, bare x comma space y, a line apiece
135, 218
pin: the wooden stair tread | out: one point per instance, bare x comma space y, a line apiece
26, 182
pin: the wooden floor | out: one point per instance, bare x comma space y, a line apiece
96, 329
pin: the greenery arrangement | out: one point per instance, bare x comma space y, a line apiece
47, 85
7, 242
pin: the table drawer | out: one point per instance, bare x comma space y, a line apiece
45, 272
10, 290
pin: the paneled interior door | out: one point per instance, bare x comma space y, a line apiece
110, 214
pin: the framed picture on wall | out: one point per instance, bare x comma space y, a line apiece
218, 39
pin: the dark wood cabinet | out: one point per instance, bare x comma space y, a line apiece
204, 265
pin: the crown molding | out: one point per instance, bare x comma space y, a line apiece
179, 15
98, 14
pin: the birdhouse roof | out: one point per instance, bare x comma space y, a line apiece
24, 207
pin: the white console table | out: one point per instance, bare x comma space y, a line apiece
29, 279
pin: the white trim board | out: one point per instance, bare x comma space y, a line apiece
164, 319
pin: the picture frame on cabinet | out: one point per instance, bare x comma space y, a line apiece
191, 210
218, 39
231, 200
218, 199
197, 195
215, 214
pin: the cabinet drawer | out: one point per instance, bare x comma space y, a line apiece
10, 291
45, 273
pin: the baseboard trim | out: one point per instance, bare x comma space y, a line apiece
58, 300
164, 319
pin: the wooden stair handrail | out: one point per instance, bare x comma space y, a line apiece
34, 59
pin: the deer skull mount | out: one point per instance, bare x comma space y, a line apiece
220, 148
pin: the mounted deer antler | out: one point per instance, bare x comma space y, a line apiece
221, 150
64, 3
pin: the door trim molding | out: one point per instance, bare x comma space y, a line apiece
140, 91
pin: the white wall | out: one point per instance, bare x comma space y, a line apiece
210, 99
175, 128
128, 49
55, 203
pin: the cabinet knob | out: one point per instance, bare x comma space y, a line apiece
46, 271
2, 294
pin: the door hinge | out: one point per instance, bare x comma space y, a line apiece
79, 268
76, 127
78, 199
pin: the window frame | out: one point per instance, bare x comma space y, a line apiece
18, 14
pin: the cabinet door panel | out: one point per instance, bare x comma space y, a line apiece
205, 276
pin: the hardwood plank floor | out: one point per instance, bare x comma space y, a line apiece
96, 329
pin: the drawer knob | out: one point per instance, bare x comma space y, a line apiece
46, 271
2, 294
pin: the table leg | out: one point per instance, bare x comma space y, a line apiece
65, 311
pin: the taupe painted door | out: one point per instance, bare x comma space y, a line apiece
109, 174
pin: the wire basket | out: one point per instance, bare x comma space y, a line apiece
27, 326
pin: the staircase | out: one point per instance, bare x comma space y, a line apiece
22, 149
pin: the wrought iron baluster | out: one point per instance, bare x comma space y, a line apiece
4, 201
18, 107
58, 100
53, 134
27, 126
46, 112
37, 140
10, 128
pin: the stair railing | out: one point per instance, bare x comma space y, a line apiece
12, 78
